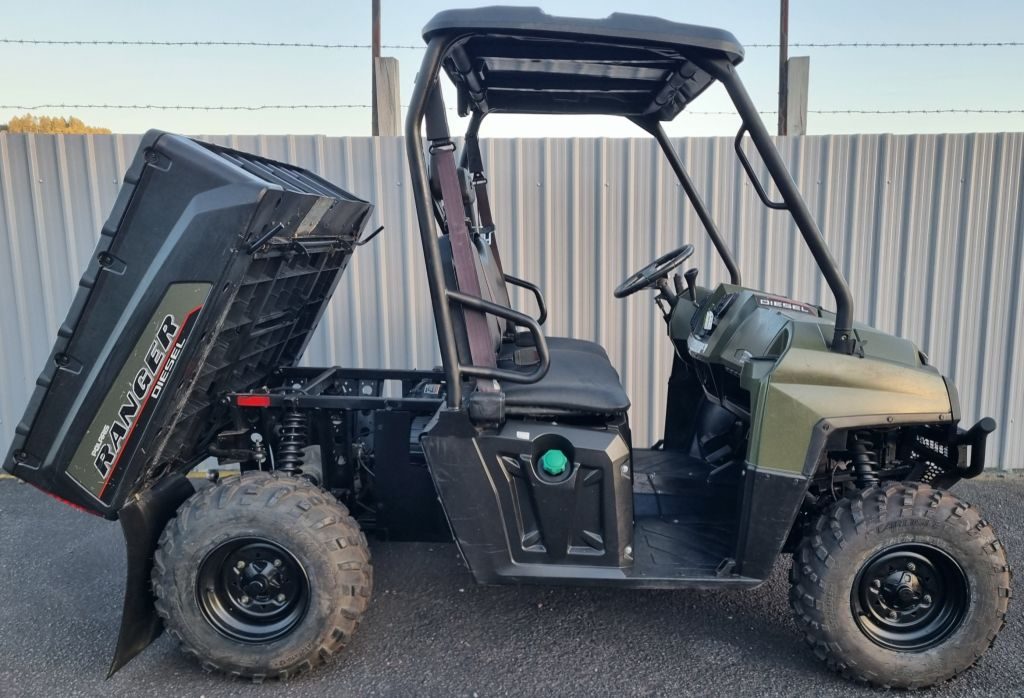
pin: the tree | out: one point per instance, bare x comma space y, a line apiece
49, 124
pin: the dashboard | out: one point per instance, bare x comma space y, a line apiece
732, 337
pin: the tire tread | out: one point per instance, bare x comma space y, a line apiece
343, 543
868, 509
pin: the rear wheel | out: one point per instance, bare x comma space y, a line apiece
900, 586
264, 575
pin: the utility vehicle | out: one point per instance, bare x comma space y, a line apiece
790, 428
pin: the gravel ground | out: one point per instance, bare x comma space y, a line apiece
431, 631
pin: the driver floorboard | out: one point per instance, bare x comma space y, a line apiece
662, 542
681, 522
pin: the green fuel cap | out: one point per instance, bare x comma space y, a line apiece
554, 462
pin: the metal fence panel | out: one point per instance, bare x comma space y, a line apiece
928, 228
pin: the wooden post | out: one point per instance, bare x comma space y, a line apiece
386, 97
374, 55
783, 59
798, 70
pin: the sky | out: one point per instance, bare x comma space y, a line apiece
840, 78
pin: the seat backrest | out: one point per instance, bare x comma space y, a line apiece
492, 280
460, 263
493, 275
495, 325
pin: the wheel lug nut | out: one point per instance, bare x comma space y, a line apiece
245, 599
927, 598
911, 567
280, 598
892, 615
240, 564
277, 563
877, 584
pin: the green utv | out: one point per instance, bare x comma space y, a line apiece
789, 429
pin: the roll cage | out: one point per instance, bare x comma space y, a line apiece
521, 60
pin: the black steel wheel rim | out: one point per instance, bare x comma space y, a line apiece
910, 597
252, 590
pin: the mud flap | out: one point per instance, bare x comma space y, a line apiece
142, 521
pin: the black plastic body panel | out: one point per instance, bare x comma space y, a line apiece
513, 528
211, 272
506, 516
771, 503
407, 505
583, 517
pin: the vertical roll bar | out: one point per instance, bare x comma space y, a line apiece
655, 128
842, 338
426, 81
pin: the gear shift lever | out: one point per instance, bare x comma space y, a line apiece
691, 283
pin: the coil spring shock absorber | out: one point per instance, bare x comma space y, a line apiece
864, 461
294, 438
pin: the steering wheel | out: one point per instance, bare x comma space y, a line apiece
653, 272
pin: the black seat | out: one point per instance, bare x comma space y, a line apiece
580, 380
492, 283
491, 276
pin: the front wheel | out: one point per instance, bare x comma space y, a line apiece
262, 576
900, 586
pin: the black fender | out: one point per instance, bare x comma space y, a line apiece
142, 520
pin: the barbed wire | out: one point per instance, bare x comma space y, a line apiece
147, 42
186, 107
317, 45
270, 107
951, 110
954, 110
892, 44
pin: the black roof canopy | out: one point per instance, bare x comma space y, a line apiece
522, 60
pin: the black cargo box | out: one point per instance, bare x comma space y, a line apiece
211, 272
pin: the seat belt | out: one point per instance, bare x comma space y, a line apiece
481, 346
475, 164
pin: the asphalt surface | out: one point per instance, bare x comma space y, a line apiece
431, 631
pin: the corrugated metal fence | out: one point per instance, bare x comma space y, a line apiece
929, 230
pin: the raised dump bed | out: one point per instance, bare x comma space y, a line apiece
211, 273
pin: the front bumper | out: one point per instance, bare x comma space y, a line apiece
974, 439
